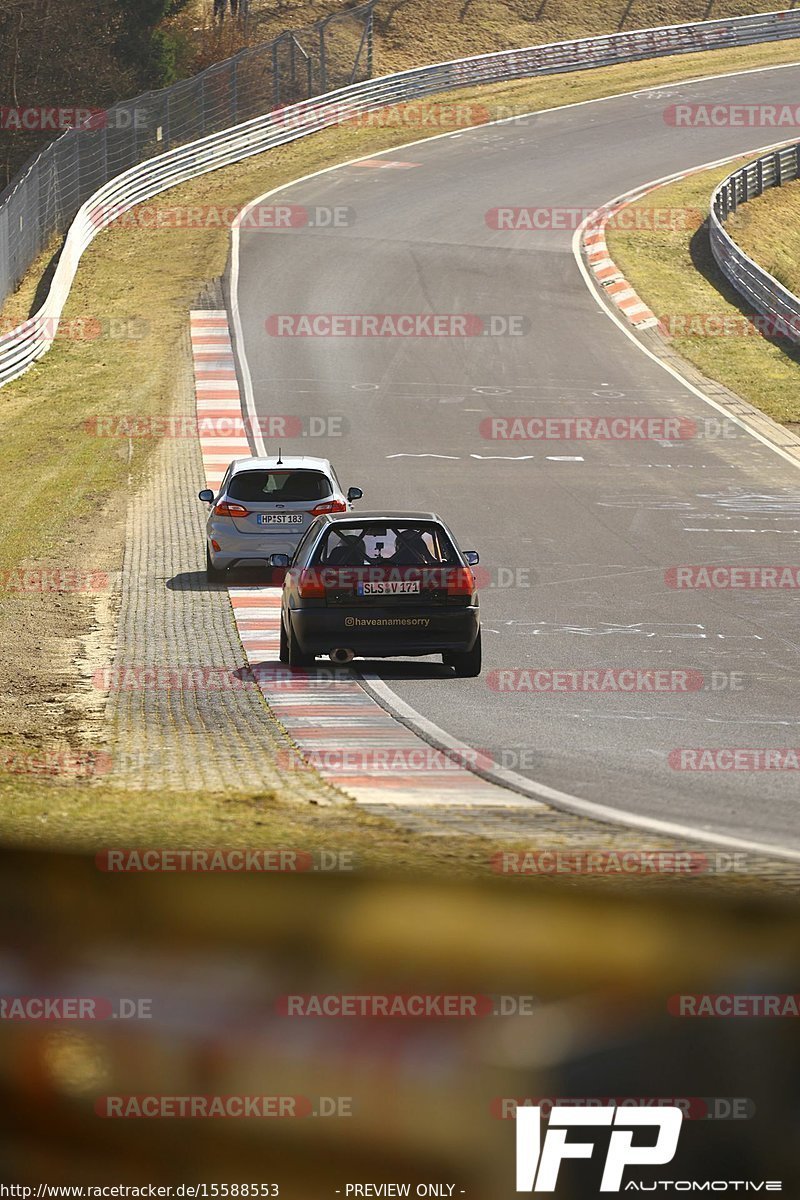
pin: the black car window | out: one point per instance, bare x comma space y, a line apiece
279, 487
396, 543
308, 537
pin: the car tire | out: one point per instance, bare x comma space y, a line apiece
467, 664
283, 646
213, 574
294, 655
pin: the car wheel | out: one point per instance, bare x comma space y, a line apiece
467, 664
294, 655
283, 648
213, 574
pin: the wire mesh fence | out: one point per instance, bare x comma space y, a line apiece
40, 203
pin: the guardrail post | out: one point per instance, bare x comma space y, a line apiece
778, 169
760, 177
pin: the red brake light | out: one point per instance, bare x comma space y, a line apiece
460, 582
226, 509
328, 507
310, 585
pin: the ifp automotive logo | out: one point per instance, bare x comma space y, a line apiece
539, 1161
538, 1164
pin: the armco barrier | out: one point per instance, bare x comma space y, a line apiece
20, 348
767, 296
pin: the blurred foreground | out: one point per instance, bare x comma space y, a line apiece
563, 992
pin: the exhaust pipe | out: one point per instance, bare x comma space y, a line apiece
341, 656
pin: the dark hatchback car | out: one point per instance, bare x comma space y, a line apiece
380, 585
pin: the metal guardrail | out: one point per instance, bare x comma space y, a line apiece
20, 348
766, 295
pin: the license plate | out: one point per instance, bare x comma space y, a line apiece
280, 518
397, 587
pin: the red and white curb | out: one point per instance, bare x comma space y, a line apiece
602, 266
611, 279
337, 726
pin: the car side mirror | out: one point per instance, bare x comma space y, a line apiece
354, 494
472, 557
207, 496
279, 560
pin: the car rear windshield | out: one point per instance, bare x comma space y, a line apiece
396, 543
279, 487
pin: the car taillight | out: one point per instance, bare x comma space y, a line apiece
310, 585
460, 582
226, 509
328, 507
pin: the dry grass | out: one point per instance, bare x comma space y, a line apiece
768, 229
411, 32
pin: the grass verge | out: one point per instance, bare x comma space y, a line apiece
70, 488
55, 816
674, 273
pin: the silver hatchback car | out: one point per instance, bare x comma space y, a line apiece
265, 505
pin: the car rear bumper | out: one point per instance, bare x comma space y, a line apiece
239, 548
386, 632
